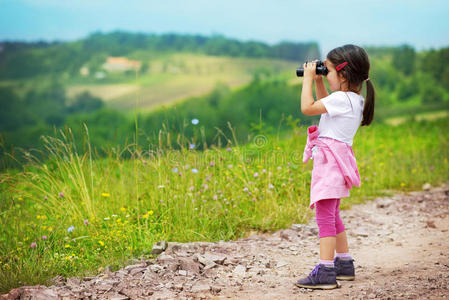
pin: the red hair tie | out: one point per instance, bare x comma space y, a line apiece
341, 66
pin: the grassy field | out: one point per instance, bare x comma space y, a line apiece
171, 78
74, 214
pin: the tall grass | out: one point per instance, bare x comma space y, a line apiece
75, 213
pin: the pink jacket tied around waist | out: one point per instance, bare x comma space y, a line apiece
334, 168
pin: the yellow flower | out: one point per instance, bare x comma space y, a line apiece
145, 216
50, 228
20, 199
414, 171
130, 248
101, 243
278, 148
122, 208
38, 217
105, 195
67, 246
150, 212
402, 184
67, 258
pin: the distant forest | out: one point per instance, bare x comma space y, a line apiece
20, 60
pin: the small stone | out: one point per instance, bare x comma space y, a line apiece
182, 272
159, 247
281, 263
240, 270
201, 288
426, 187
431, 224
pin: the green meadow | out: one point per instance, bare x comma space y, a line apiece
75, 213
174, 77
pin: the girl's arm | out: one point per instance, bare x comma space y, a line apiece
320, 89
310, 107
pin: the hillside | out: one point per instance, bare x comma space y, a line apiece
178, 76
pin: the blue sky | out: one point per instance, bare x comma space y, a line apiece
422, 24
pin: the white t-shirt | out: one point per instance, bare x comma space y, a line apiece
343, 117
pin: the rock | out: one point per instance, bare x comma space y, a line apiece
187, 264
384, 203
119, 297
426, 187
182, 272
281, 263
240, 270
201, 288
159, 247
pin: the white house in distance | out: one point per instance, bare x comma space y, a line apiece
121, 64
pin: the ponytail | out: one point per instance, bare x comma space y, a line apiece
368, 109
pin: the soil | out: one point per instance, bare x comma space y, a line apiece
399, 243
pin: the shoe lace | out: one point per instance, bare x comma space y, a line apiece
315, 270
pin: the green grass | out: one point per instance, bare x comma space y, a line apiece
119, 207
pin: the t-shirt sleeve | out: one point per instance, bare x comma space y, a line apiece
337, 103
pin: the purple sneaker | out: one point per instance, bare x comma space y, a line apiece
321, 277
344, 268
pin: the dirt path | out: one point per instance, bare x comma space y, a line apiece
400, 245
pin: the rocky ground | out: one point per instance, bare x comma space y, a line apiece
400, 245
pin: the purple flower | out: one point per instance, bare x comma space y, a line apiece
71, 228
175, 170
256, 174
86, 222
33, 245
61, 194
431, 169
194, 170
212, 164
229, 149
44, 237
192, 146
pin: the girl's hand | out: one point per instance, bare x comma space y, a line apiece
309, 70
317, 77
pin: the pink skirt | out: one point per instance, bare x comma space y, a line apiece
327, 180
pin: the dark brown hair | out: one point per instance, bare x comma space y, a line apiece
356, 72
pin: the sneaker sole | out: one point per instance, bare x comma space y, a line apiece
320, 286
349, 278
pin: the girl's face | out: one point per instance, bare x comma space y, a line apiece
335, 80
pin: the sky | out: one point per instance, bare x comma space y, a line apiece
421, 24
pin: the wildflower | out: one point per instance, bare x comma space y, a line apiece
195, 121
212, 163
254, 199
194, 170
67, 246
192, 146
71, 228
86, 222
228, 149
207, 178
107, 218
264, 171
33, 245
50, 228
145, 216
229, 166
150, 212
256, 174
205, 186
44, 237
175, 170
101, 243
114, 216
160, 186
431, 169
270, 186
105, 195
20, 199
245, 189
127, 216
402, 184
279, 168
45, 198
61, 194
215, 197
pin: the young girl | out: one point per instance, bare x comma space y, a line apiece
330, 145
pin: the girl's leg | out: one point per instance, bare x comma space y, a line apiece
325, 218
341, 238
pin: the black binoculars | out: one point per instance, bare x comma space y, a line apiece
320, 69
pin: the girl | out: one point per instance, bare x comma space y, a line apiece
330, 145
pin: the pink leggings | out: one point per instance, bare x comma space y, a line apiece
328, 217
